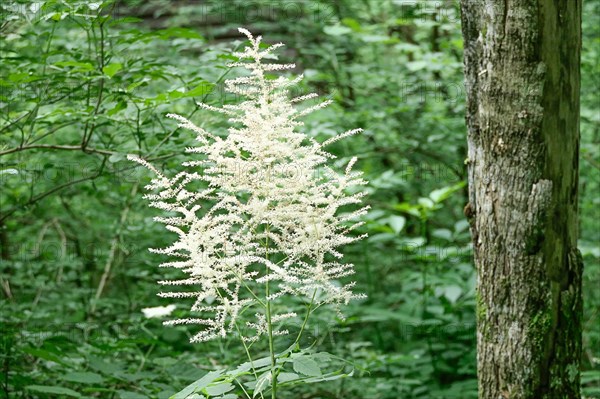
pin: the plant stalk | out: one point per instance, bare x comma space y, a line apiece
270, 326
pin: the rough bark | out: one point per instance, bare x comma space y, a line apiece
522, 79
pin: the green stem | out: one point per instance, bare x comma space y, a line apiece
249, 358
271, 348
243, 389
252, 292
270, 326
312, 300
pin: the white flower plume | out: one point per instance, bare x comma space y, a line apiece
257, 212
158, 311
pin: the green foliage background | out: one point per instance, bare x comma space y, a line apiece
82, 84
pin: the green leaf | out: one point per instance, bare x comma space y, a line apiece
307, 366
263, 381
77, 66
100, 365
287, 377
178, 93
114, 158
461, 225
125, 20
185, 33
43, 354
444, 234
443, 193
200, 90
426, 203
397, 223
352, 24
20, 77
121, 105
84, 378
198, 385
132, 86
329, 377
128, 394
416, 65
246, 367
374, 314
452, 293
57, 16
111, 69
336, 30
408, 208
219, 389
53, 390
376, 38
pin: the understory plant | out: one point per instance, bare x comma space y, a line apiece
260, 215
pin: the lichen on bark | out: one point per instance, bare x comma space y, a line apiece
522, 81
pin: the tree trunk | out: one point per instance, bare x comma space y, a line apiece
522, 80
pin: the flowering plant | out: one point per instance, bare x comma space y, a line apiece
266, 220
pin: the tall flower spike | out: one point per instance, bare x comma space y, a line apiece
269, 211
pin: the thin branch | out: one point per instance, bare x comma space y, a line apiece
113, 248
52, 191
58, 147
52, 131
11, 124
87, 136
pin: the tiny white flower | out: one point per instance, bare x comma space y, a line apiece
158, 311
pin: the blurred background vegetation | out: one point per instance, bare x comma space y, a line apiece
83, 83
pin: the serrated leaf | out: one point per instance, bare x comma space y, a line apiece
197, 385
263, 382
245, 367
219, 389
307, 366
44, 354
100, 365
84, 378
53, 390
329, 377
287, 377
